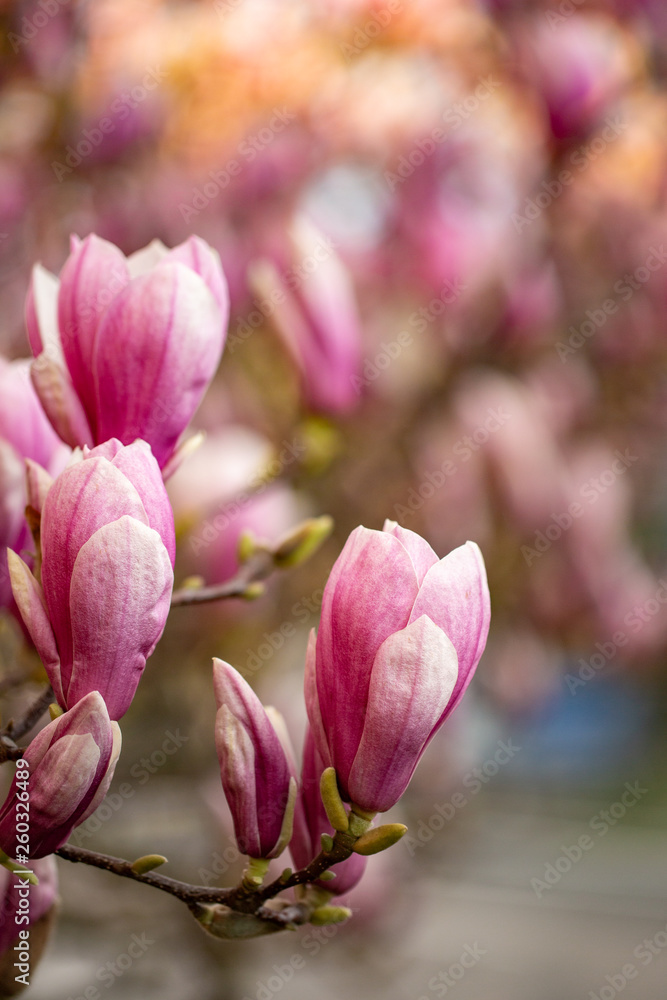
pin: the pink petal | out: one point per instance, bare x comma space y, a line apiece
94, 273
420, 552
196, 254
412, 681
29, 598
84, 497
60, 401
144, 260
136, 461
312, 701
119, 602
38, 484
236, 753
159, 345
103, 788
258, 783
369, 596
41, 313
455, 595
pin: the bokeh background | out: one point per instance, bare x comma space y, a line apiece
444, 227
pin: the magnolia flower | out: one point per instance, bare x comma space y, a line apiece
70, 764
256, 772
312, 306
399, 640
126, 348
107, 555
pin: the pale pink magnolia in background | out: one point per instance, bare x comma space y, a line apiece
126, 347
579, 67
108, 548
224, 489
71, 764
308, 295
31, 910
399, 640
25, 433
256, 769
310, 822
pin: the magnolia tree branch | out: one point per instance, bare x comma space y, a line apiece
256, 569
258, 561
243, 898
15, 730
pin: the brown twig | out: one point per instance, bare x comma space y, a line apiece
243, 898
256, 569
15, 730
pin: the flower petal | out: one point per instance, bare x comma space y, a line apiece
41, 313
196, 254
119, 602
158, 347
136, 461
369, 595
93, 275
420, 552
455, 595
413, 677
29, 598
87, 495
60, 401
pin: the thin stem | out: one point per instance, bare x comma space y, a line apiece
242, 898
257, 568
15, 730
182, 890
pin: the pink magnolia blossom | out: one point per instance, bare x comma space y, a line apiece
107, 555
312, 306
256, 771
126, 347
71, 764
399, 641
310, 822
